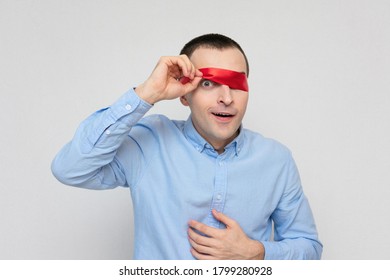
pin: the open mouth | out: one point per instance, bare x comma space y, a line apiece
223, 116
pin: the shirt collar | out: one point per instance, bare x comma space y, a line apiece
201, 144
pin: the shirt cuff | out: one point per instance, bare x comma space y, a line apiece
270, 250
114, 120
129, 103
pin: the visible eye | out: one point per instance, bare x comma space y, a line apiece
207, 83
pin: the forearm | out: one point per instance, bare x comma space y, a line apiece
90, 156
293, 249
295, 232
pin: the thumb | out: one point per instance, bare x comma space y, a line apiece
191, 85
229, 222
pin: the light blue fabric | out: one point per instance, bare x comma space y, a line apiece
174, 175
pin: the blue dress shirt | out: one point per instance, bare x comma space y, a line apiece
174, 176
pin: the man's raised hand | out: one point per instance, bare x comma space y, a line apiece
164, 82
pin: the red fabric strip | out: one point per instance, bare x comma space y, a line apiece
233, 79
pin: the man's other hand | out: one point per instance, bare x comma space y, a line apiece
222, 244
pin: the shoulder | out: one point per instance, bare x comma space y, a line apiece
264, 146
158, 125
158, 121
154, 119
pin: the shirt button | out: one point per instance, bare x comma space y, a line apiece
128, 107
219, 197
108, 132
220, 163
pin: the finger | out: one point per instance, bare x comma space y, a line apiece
200, 239
176, 65
187, 67
191, 85
200, 256
205, 229
200, 248
198, 73
192, 71
229, 222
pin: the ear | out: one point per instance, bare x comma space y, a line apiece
184, 101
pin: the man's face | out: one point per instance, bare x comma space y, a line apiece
217, 110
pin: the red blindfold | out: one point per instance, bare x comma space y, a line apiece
233, 79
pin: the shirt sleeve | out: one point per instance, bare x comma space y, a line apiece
295, 233
89, 160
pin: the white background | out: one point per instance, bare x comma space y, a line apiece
319, 83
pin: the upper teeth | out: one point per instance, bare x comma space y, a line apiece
222, 114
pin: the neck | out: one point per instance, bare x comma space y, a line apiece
219, 146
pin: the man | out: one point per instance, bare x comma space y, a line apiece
205, 188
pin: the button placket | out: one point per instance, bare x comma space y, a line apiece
219, 192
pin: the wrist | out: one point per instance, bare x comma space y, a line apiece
145, 94
257, 250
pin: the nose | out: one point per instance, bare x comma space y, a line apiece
225, 95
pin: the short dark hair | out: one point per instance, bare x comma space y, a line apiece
213, 41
